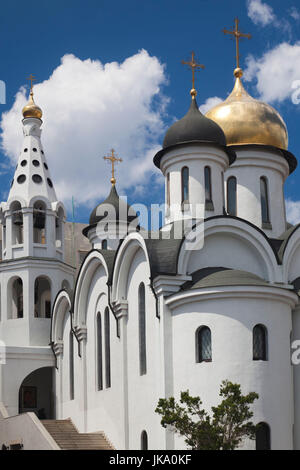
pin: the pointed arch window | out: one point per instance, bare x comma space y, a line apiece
263, 437
71, 362
142, 329
264, 200
203, 344
99, 353
185, 185
144, 441
231, 196
260, 339
107, 348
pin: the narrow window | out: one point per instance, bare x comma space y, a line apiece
144, 441
107, 348
231, 196
260, 343
207, 179
104, 245
99, 353
71, 361
185, 185
263, 437
168, 189
142, 330
264, 199
203, 345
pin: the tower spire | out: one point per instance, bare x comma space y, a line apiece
194, 67
113, 159
31, 110
238, 35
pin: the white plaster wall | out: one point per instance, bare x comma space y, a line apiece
143, 391
248, 168
296, 377
231, 322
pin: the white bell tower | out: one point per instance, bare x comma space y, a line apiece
32, 270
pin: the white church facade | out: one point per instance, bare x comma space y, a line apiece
147, 316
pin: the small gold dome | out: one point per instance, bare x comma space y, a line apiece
246, 120
31, 110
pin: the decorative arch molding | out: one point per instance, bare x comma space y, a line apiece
61, 308
10, 202
290, 248
246, 233
42, 199
124, 258
92, 262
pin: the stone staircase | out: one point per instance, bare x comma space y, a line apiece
67, 436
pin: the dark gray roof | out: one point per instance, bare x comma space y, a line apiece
120, 206
220, 276
194, 126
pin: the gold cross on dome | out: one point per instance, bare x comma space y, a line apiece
113, 159
238, 35
194, 66
31, 79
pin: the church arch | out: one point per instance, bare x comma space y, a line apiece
17, 223
36, 393
260, 343
39, 222
42, 297
15, 298
61, 309
203, 344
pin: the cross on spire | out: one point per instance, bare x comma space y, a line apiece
112, 159
194, 67
238, 35
31, 79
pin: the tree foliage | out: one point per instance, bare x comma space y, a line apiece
224, 428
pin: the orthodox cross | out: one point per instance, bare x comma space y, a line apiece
113, 159
194, 66
238, 35
31, 79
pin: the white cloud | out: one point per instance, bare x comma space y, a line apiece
260, 13
276, 72
209, 104
294, 13
292, 211
90, 107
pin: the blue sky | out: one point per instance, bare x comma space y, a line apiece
34, 37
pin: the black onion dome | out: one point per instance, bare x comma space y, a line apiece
194, 127
122, 209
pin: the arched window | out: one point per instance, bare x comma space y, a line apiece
71, 364
104, 245
42, 298
16, 299
17, 224
185, 185
59, 228
107, 348
263, 437
168, 189
208, 188
203, 344
264, 200
231, 196
39, 223
260, 343
142, 330
99, 353
144, 441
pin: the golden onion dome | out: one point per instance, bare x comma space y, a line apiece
31, 110
246, 120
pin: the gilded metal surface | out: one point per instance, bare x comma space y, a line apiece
31, 109
238, 35
194, 66
246, 120
113, 159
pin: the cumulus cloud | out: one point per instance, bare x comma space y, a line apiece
277, 72
260, 13
292, 211
90, 107
209, 104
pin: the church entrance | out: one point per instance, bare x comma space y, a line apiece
37, 393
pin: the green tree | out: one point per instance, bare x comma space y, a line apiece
224, 428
